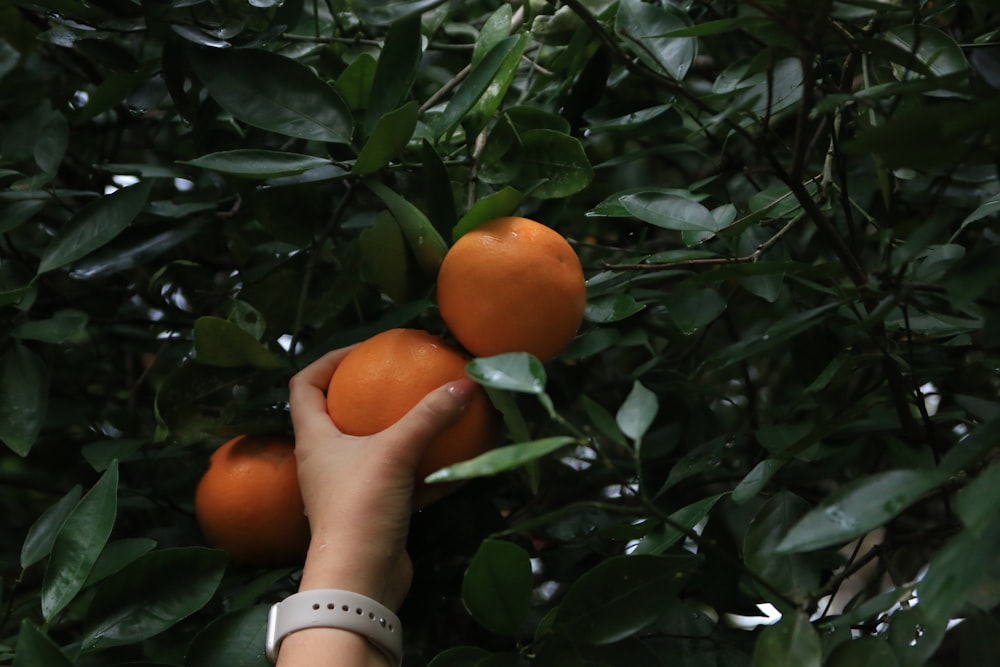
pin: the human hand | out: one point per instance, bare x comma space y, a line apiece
358, 491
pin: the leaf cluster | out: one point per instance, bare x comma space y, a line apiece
784, 400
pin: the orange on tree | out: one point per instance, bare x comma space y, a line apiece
248, 501
512, 285
385, 376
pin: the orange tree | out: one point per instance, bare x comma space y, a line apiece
784, 395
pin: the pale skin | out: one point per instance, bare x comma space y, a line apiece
358, 494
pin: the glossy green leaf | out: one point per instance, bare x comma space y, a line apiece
792, 574
858, 507
17, 213
395, 72
355, 83
693, 310
42, 534
386, 12
63, 326
116, 555
24, 397
51, 146
637, 412
388, 138
671, 212
234, 639
489, 102
931, 47
475, 85
500, 459
556, 161
791, 642
439, 195
34, 648
274, 93
756, 479
914, 635
863, 652
494, 30
144, 599
612, 307
672, 531
95, 225
972, 448
459, 656
513, 371
79, 543
497, 586
257, 164
426, 243
645, 30
219, 342
496, 205
621, 596
385, 253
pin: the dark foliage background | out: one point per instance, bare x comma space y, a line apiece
785, 392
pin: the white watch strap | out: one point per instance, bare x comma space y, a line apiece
332, 608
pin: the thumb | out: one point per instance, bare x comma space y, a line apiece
433, 414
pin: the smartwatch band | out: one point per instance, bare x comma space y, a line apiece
332, 608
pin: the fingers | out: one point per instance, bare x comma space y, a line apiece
306, 389
433, 414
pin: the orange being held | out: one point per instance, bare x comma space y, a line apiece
512, 285
248, 501
385, 376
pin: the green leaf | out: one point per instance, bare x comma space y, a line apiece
234, 639
557, 160
79, 543
24, 397
637, 412
116, 555
496, 205
17, 213
964, 572
863, 652
259, 164
489, 102
500, 459
355, 83
274, 93
915, 635
612, 307
63, 326
693, 310
977, 502
644, 30
34, 648
494, 30
145, 598
390, 136
621, 596
858, 507
791, 642
386, 12
459, 656
95, 225
664, 537
671, 212
972, 448
475, 85
219, 342
384, 250
396, 70
497, 586
42, 534
929, 46
513, 371
51, 145
426, 243
756, 479
792, 574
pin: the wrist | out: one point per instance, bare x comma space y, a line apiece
353, 565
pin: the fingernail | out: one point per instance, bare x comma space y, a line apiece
461, 390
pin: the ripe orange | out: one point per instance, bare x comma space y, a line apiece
512, 285
381, 379
248, 501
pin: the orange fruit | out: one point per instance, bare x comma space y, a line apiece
512, 285
381, 379
248, 501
